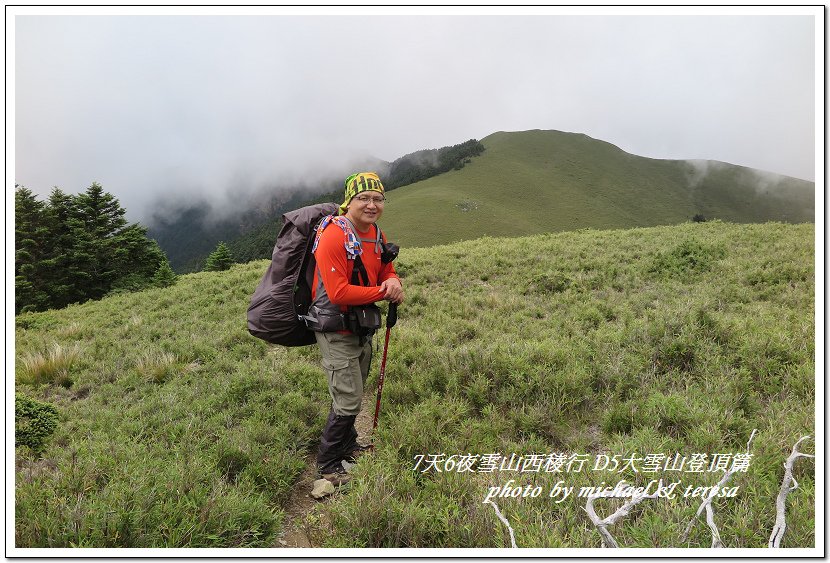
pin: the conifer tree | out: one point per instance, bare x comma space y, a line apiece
75, 248
165, 276
134, 258
97, 245
31, 235
66, 275
220, 259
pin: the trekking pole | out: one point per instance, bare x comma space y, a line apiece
391, 319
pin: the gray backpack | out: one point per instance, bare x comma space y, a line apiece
283, 295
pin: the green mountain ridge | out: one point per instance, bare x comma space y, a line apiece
548, 181
521, 183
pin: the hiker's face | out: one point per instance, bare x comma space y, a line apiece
365, 209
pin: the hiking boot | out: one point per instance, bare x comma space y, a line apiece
336, 475
357, 452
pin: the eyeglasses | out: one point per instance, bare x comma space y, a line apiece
366, 199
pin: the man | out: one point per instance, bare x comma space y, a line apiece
343, 243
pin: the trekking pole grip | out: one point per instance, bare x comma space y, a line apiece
392, 315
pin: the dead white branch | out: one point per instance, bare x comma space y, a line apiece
707, 504
788, 485
506, 523
603, 523
710, 521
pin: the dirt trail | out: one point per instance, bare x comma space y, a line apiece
301, 503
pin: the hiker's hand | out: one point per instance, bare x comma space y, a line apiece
392, 290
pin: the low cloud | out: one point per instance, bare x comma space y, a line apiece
163, 111
698, 170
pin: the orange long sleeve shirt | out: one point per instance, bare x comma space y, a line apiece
336, 270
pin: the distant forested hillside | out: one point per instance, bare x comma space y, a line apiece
190, 234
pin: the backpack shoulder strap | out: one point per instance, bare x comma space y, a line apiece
358, 263
359, 273
352, 242
377, 241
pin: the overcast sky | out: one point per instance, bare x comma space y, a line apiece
153, 104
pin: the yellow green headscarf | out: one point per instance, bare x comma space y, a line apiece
360, 182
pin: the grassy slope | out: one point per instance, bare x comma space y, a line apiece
542, 181
179, 429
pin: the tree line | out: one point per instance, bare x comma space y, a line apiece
73, 248
428, 163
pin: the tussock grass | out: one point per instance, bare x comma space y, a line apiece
179, 429
50, 367
159, 366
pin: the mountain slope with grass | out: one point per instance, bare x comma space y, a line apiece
172, 427
547, 181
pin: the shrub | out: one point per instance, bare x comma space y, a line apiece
672, 412
689, 258
677, 354
34, 321
129, 284
545, 283
34, 422
618, 419
231, 461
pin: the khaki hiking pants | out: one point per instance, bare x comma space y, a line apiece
346, 364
